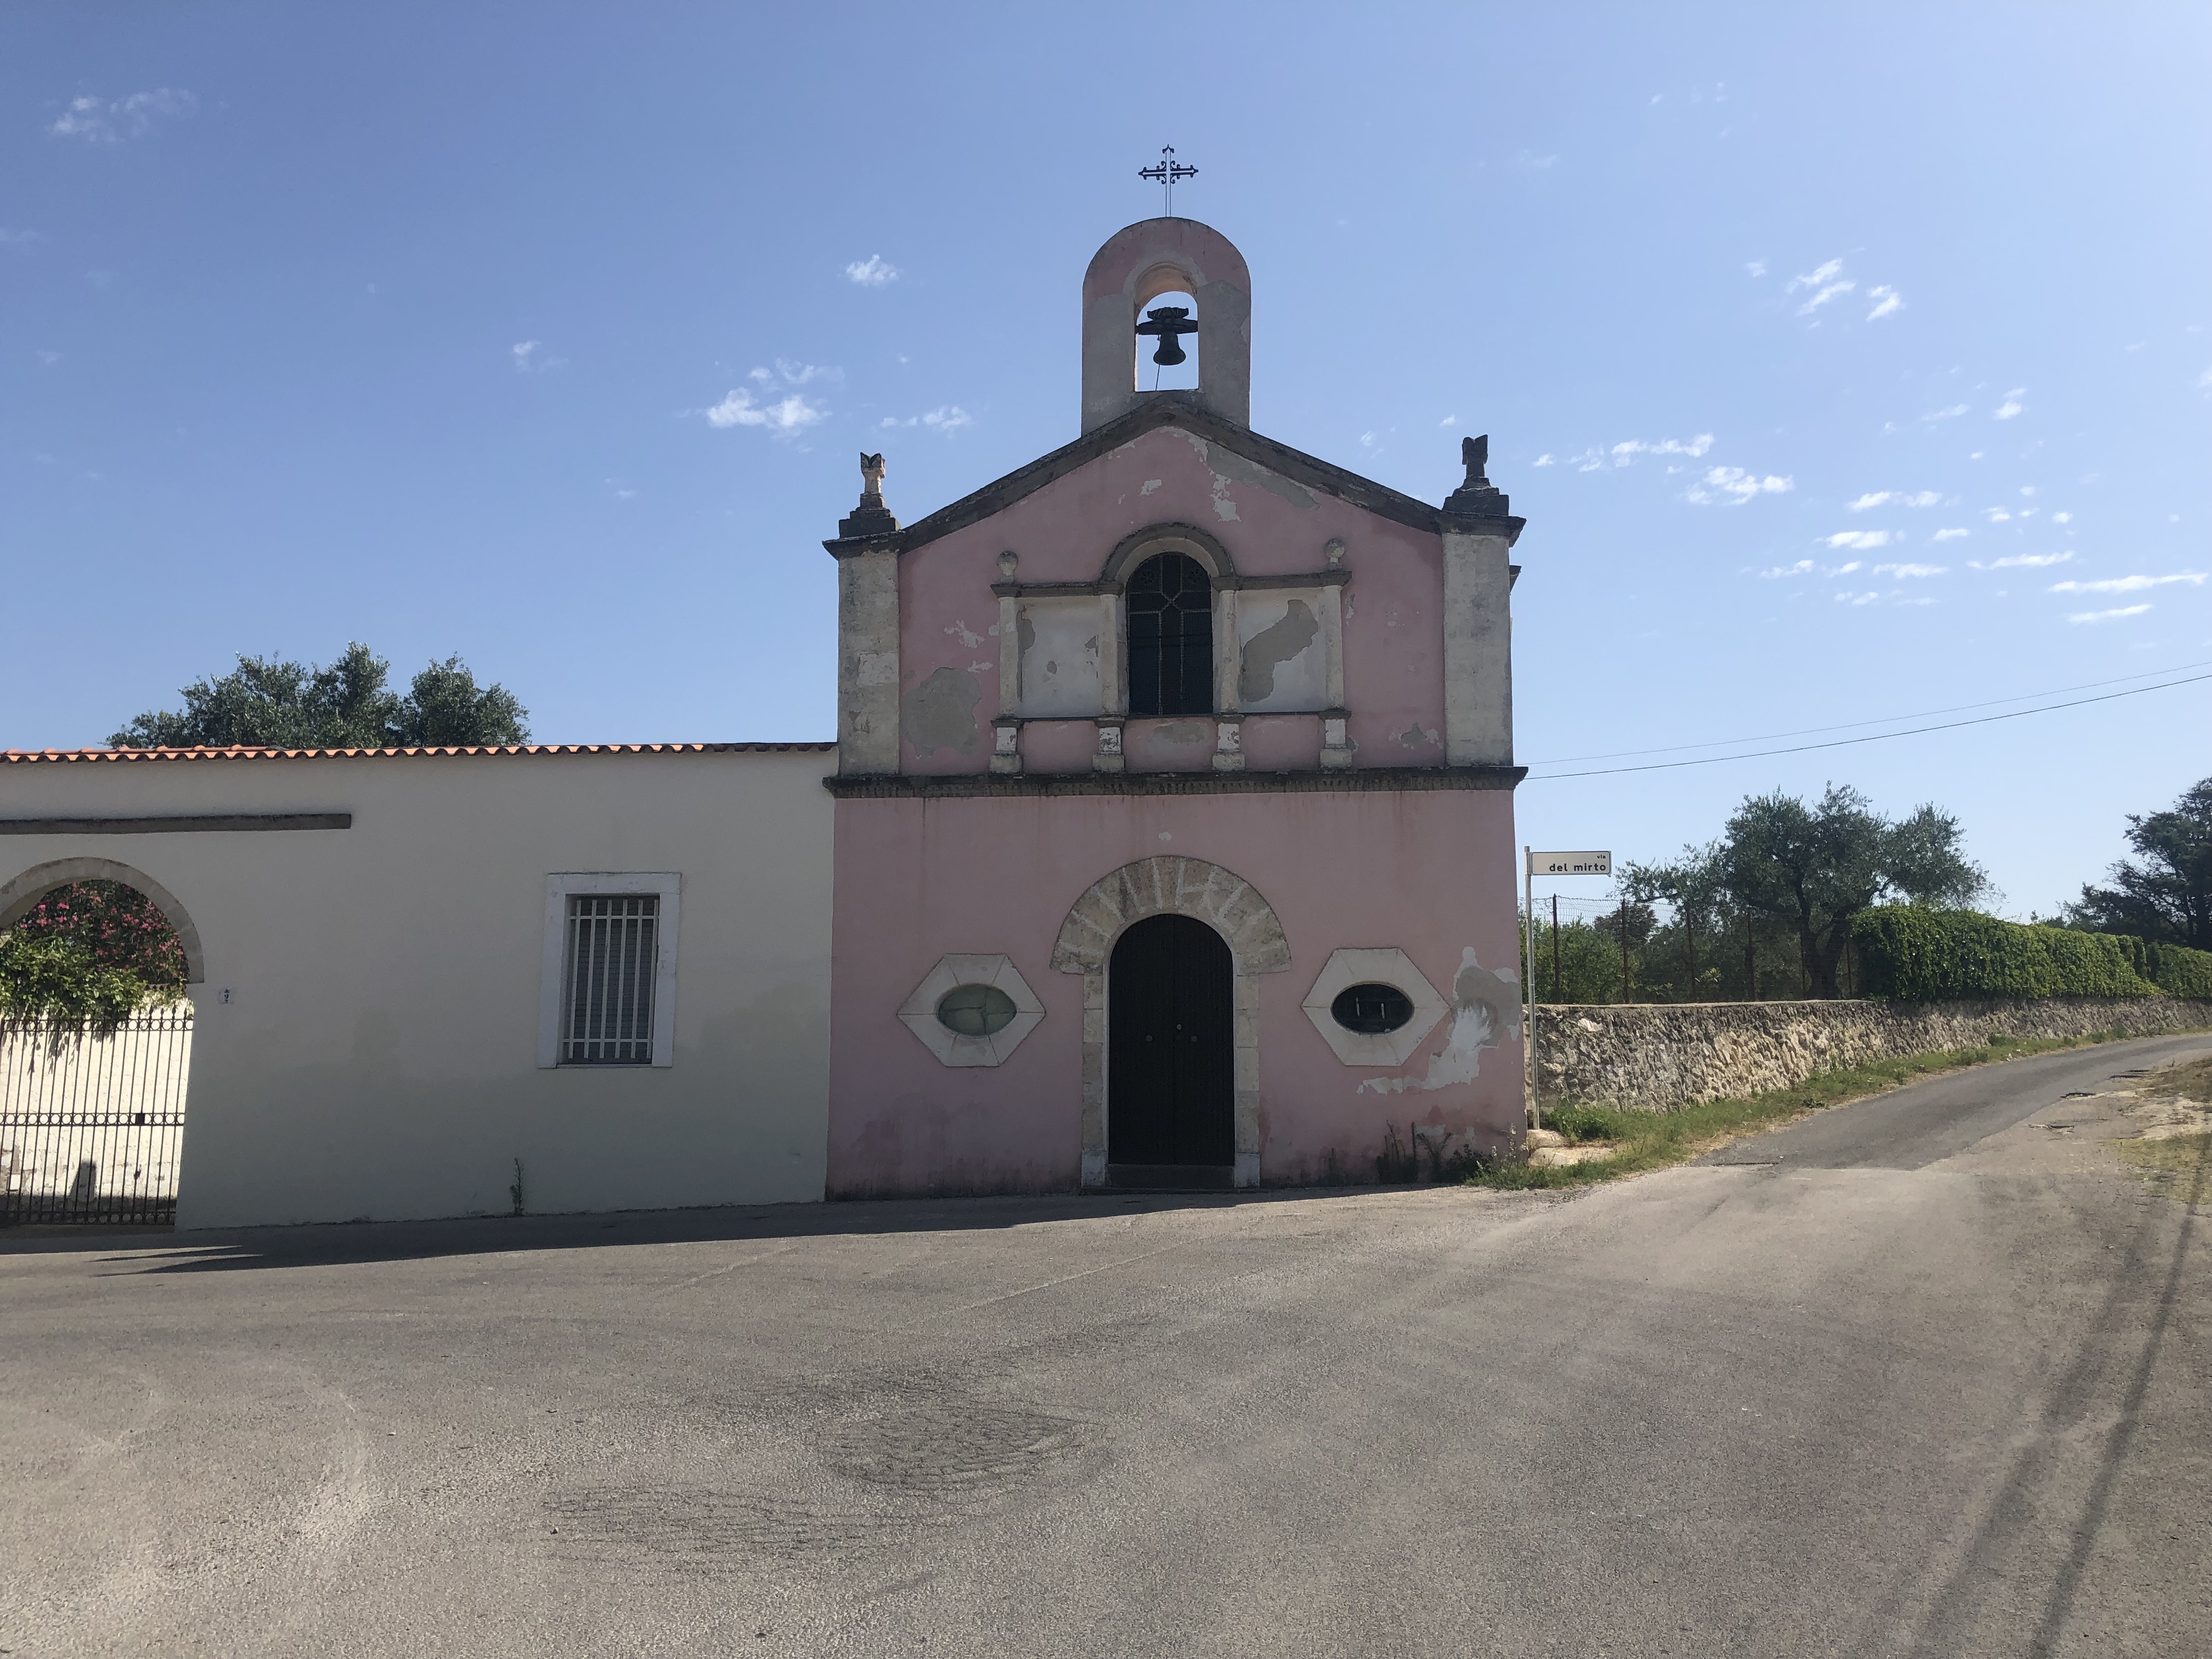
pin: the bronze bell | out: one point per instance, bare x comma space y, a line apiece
1168, 322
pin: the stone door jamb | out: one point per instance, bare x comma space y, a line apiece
1168, 886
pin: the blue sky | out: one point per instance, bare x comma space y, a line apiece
1845, 363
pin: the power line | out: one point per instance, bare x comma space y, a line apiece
1876, 737
1847, 726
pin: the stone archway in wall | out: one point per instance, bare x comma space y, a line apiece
19, 895
92, 1123
1168, 885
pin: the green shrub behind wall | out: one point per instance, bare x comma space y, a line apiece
1907, 954
2174, 969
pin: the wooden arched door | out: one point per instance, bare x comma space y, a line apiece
1170, 1077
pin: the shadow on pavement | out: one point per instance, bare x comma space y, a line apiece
232, 1249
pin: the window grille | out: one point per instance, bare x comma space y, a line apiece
1170, 610
606, 1001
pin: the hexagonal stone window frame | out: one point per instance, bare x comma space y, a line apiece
1345, 969
919, 1012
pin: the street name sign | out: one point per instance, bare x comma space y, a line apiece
1570, 864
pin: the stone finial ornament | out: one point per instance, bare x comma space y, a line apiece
1477, 498
870, 517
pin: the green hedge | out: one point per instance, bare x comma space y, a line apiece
2174, 969
1907, 954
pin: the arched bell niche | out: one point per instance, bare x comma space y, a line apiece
1168, 350
1145, 267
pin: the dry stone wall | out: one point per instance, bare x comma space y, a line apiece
1656, 1056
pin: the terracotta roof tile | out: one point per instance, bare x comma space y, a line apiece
24, 756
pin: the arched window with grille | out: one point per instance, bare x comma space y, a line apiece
1170, 603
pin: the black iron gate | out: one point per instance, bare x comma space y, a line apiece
90, 1126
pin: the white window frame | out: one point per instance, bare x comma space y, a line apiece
667, 886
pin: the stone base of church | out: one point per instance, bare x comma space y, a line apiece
1309, 889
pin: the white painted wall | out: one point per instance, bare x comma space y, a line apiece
377, 1056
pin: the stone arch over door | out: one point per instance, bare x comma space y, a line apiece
18, 895
1223, 900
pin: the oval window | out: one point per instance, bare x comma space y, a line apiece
976, 1011
1371, 1010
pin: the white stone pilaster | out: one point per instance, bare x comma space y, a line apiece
868, 661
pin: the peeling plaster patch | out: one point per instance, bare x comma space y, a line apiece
1237, 469
1151, 484
1186, 732
1486, 1006
1273, 646
966, 636
940, 712
1228, 469
1416, 735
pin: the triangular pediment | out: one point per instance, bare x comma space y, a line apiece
1167, 408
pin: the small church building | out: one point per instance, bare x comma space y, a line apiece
1166, 841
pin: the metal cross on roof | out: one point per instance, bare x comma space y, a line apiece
1165, 174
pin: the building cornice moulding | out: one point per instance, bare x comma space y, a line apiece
1391, 780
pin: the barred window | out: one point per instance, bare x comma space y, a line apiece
608, 966
1170, 610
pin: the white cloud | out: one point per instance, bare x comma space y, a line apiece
1910, 572
782, 415
1802, 567
2129, 584
871, 272
1888, 302
1950, 535
787, 372
2204, 381
1950, 414
1529, 158
1449, 420
1845, 595
1544, 459
1845, 568
112, 120
946, 417
1863, 541
2011, 406
1897, 497
1997, 515
1827, 281
1732, 486
1757, 267
1624, 453
2061, 518
2022, 562
2108, 615
49, 358
13, 238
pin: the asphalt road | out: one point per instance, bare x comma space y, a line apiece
1921, 1375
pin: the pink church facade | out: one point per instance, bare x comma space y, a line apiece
1173, 810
